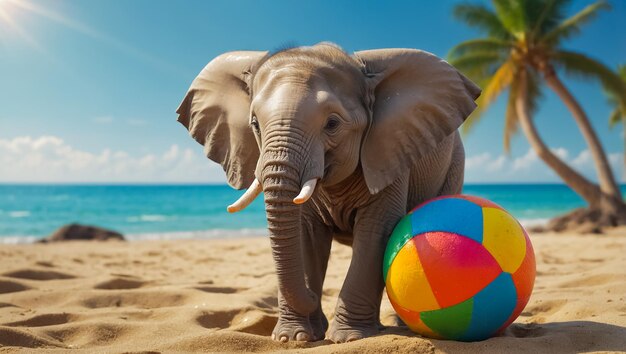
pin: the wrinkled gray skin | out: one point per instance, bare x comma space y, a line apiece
377, 130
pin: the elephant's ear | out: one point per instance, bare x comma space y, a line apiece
216, 113
418, 100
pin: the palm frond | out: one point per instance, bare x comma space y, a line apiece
478, 66
572, 25
481, 17
512, 15
546, 15
619, 106
480, 45
516, 15
585, 67
616, 117
495, 85
621, 71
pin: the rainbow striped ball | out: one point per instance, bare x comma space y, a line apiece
459, 267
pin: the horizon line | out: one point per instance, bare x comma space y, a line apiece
10, 183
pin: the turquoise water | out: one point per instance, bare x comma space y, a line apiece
179, 211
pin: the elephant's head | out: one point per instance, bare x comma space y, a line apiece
282, 122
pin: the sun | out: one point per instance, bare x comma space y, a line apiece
14, 16
7, 11
4, 12
11, 13
6, 3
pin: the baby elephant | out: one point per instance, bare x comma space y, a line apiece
342, 146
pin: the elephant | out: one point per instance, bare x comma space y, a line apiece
341, 146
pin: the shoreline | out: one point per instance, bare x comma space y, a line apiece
161, 212
212, 234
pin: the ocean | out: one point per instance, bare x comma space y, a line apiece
28, 212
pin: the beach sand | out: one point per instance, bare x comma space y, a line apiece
220, 296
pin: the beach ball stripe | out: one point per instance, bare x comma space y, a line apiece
492, 307
468, 218
459, 267
401, 234
450, 322
411, 273
456, 267
477, 200
503, 237
414, 322
524, 280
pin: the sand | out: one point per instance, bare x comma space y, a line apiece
220, 296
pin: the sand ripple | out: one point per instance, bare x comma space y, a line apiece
208, 296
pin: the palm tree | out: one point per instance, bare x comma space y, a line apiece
618, 115
522, 50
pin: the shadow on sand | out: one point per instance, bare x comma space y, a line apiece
554, 337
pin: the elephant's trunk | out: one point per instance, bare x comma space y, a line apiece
281, 184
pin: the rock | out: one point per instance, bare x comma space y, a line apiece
73, 232
584, 221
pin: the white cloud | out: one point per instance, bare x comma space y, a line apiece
485, 161
526, 161
616, 160
584, 163
50, 159
497, 164
477, 160
562, 153
485, 167
583, 159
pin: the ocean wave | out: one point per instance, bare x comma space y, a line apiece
155, 236
19, 214
534, 222
60, 197
149, 218
203, 234
15, 240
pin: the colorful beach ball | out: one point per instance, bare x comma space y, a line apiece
459, 267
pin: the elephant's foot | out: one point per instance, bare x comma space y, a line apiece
293, 328
341, 332
319, 323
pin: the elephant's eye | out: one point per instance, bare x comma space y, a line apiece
255, 124
332, 124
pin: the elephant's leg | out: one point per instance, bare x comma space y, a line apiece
358, 305
316, 242
453, 183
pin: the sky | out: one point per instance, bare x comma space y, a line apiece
89, 89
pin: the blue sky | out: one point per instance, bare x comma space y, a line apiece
88, 89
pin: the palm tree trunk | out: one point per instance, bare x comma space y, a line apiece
583, 187
606, 179
624, 152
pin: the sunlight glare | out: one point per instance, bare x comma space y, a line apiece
9, 24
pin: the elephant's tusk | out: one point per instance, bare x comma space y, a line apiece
306, 192
253, 191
